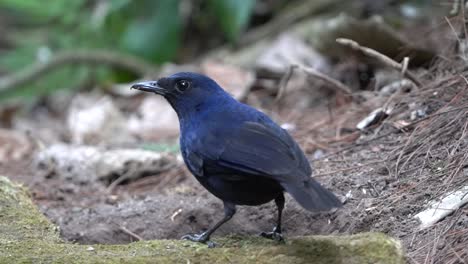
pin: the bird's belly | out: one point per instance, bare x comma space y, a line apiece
242, 190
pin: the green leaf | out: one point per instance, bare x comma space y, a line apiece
42, 12
156, 34
233, 15
62, 79
118, 5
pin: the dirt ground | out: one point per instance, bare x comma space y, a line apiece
386, 175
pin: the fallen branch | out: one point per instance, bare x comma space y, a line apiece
334, 84
117, 60
383, 59
439, 209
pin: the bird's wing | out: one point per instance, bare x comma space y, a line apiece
264, 149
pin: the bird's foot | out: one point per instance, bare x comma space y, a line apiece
201, 238
274, 235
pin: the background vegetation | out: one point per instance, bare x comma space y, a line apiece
151, 30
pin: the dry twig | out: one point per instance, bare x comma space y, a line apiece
130, 233
380, 58
334, 84
284, 82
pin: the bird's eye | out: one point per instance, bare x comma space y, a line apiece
182, 85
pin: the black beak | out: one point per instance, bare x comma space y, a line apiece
151, 86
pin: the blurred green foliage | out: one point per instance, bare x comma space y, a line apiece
150, 29
233, 15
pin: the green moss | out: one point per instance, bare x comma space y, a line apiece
349, 249
19, 217
26, 236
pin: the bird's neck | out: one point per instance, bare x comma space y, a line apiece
192, 113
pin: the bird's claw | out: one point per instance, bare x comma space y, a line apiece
273, 235
201, 238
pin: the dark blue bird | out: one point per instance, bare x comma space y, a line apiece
236, 152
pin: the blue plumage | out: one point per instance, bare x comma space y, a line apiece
237, 152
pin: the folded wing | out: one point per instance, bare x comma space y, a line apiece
269, 151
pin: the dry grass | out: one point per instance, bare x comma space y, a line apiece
426, 158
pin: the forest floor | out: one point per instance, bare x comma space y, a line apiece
387, 173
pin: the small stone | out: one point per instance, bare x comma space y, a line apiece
441, 245
93, 119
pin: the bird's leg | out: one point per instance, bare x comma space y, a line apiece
276, 234
229, 211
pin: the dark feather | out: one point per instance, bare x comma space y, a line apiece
266, 150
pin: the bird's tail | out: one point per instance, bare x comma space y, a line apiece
312, 196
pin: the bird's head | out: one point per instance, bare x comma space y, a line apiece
185, 91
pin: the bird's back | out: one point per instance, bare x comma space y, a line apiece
236, 143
